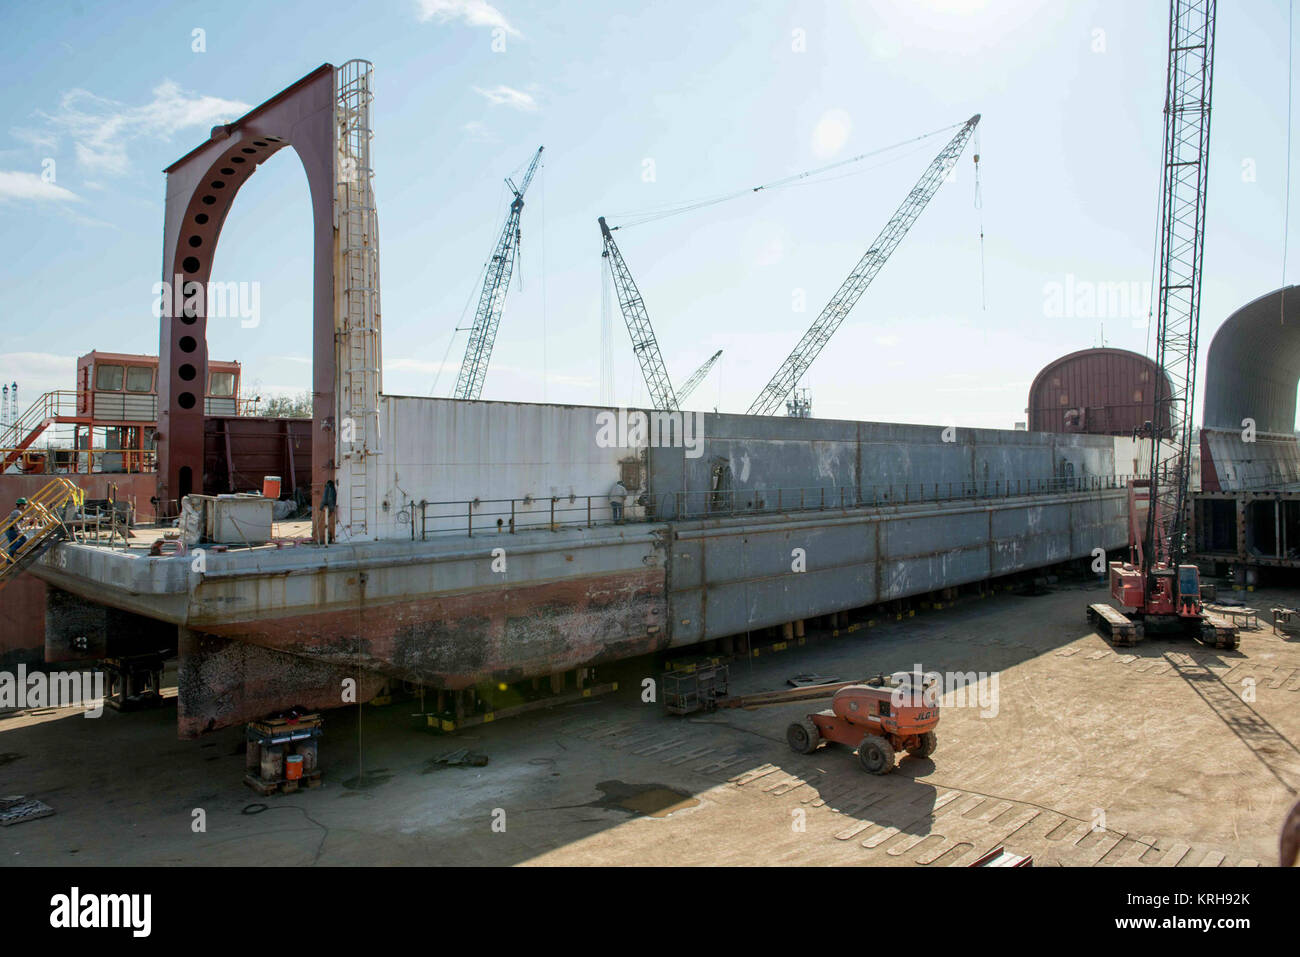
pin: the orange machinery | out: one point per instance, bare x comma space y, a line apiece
1161, 596
879, 718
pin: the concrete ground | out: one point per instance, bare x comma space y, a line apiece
1169, 753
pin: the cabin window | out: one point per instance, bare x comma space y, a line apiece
108, 378
139, 379
222, 385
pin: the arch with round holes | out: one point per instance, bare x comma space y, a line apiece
201, 188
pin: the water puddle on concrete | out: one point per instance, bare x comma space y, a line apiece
371, 779
643, 800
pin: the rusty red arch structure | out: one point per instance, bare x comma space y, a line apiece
201, 189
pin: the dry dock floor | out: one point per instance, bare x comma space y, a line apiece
1166, 754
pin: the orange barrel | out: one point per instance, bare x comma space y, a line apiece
270, 486
292, 767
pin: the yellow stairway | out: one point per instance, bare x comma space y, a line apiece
40, 521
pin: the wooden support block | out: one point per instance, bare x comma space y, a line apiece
252, 758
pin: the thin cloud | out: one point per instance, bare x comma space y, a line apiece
422, 366
508, 96
35, 138
37, 373
101, 129
580, 380
474, 13
70, 213
19, 185
478, 132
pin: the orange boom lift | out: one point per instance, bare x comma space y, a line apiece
880, 717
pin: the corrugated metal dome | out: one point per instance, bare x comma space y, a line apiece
1101, 391
1253, 366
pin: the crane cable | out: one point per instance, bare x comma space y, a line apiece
606, 335
640, 217
473, 293
545, 372
979, 212
451, 339
1154, 293
1286, 203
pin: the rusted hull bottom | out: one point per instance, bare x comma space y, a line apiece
483, 636
224, 682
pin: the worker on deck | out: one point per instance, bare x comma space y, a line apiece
617, 496
15, 541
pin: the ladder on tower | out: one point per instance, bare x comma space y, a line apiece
357, 326
38, 524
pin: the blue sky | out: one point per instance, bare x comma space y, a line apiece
719, 98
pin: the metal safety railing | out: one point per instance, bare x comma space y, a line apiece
728, 502
19, 434
58, 461
510, 515
25, 532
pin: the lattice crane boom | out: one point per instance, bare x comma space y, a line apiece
496, 282
644, 343
815, 339
697, 377
1182, 242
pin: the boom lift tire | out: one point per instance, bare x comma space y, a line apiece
926, 748
803, 736
876, 755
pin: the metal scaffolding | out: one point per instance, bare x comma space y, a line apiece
1182, 241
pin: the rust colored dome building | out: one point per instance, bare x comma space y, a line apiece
1100, 391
